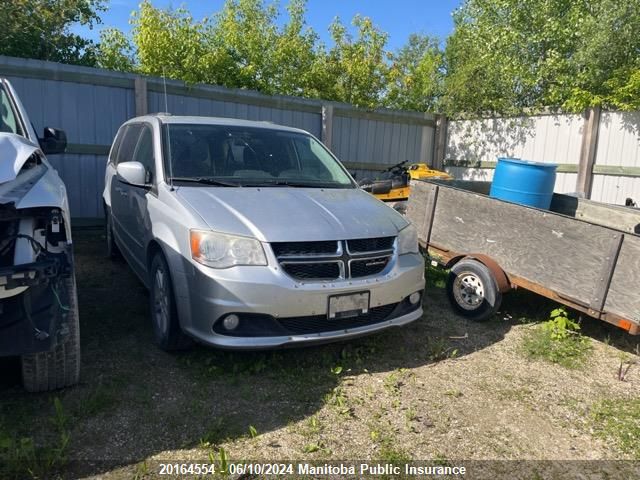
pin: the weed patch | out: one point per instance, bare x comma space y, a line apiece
21, 457
436, 277
619, 421
558, 341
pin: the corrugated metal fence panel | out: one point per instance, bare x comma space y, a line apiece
618, 146
542, 138
384, 143
90, 105
90, 115
83, 176
185, 105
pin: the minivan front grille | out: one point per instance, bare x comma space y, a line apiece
368, 266
370, 244
313, 271
334, 260
305, 248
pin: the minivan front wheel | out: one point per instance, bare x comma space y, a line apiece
164, 314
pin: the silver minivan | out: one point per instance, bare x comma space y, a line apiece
253, 235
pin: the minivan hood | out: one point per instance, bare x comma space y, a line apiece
278, 214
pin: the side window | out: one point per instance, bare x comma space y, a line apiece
8, 123
128, 144
144, 152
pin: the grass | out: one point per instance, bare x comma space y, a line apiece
21, 457
558, 341
570, 353
390, 396
618, 421
436, 277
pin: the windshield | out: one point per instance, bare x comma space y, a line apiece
247, 156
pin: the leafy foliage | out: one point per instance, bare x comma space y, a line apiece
41, 29
115, 51
507, 55
416, 75
503, 57
357, 65
558, 341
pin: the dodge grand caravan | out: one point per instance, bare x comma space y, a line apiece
253, 235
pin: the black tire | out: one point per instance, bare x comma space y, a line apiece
164, 314
59, 367
112, 249
473, 290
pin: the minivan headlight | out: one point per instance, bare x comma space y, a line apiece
408, 240
219, 250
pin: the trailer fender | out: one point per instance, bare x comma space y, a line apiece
504, 285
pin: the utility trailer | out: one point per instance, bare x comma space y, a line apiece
580, 253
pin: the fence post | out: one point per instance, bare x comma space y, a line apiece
140, 91
588, 150
440, 137
327, 125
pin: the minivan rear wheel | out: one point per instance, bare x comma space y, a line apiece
164, 314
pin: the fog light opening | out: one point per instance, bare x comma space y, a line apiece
414, 298
231, 322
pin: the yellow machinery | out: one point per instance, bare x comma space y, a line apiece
397, 188
420, 171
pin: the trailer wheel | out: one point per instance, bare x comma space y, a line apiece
473, 290
60, 366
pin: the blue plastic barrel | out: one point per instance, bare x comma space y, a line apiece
524, 182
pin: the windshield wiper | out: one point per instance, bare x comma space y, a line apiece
289, 183
205, 181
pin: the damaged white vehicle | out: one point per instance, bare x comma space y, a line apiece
38, 303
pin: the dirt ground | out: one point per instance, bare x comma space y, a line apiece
442, 389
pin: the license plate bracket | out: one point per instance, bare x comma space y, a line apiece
348, 305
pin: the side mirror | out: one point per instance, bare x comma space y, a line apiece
132, 173
54, 141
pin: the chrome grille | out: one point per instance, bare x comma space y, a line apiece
334, 260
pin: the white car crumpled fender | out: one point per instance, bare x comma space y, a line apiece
15, 150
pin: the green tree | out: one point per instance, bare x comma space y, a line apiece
115, 51
169, 42
41, 29
357, 66
508, 55
241, 46
416, 75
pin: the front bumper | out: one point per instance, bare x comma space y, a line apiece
205, 296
